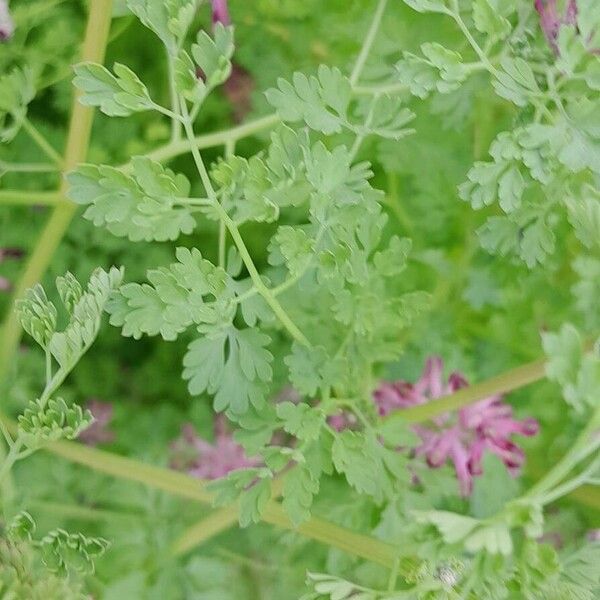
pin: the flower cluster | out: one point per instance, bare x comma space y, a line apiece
551, 20
7, 27
220, 12
462, 438
7, 253
98, 432
202, 459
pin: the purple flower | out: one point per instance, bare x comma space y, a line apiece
202, 459
593, 535
551, 21
220, 12
7, 26
8, 253
463, 438
98, 432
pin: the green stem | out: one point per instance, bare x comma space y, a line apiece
210, 140
367, 43
175, 123
42, 143
581, 448
185, 486
10, 460
30, 198
485, 61
377, 90
500, 384
207, 528
12, 167
262, 289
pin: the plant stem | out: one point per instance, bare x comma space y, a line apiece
209, 140
191, 488
14, 167
384, 88
78, 137
207, 528
262, 289
500, 384
367, 43
581, 448
30, 198
42, 143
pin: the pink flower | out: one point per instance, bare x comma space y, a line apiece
7, 253
220, 12
202, 459
98, 432
7, 27
551, 21
463, 438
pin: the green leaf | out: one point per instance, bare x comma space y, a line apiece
397, 434
438, 6
516, 82
584, 216
440, 70
17, 90
299, 489
63, 551
301, 420
293, 247
44, 422
489, 20
392, 261
564, 352
385, 118
368, 466
311, 369
322, 102
243, 189
254, 501
189, 291
213, 56
22, 526
150, 204
474, 535
69, 345
169, 19
37, 315
251, 486
231, 364
118, 95
493, 489
69, 290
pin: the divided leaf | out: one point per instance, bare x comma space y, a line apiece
118, 95
231, 364
63, 551
320, 101
189, 291
150, 204
44, 422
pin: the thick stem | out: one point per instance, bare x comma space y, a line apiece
501, 384
210, 140
30, 198
185, 486
78, 137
